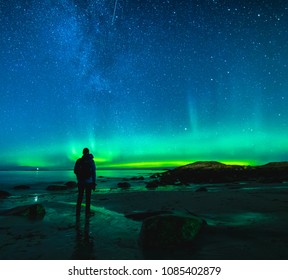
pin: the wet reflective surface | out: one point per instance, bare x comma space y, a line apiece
244, 221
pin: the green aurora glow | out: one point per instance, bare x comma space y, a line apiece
169, 83
139, 152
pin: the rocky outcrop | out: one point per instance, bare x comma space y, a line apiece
140, 216
152, 185
169, 231
140, 178
201, 189
57, 188
71, 184
21, 187
4, 194
33, 211
216, 172
134, 178
123, 185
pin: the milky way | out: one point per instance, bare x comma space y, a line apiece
143, 83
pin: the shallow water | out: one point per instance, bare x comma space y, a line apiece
40, 179
109, 235
21, 177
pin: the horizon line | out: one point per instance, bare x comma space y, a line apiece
132, 165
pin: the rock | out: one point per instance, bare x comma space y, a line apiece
270, 180
140, 216
205, 165
170, 179
71, 184
140, 178
124, 185
156, 175
103, 198
4, 194
202, 189
21, 187
204, 172
169, 231
56, 188
281, 164
211, 172
33, 211
152, 185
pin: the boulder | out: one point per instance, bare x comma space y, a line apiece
169, 231
140, 178
270, 180
56, 188
33, 211
4, 194
71, 185
140, 216
124, 185
21, 187
201, 189
156, 175
152, 185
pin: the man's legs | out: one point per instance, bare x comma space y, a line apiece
81, 188
88, 198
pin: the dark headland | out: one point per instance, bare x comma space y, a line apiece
216, 172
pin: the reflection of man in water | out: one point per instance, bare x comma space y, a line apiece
84, 243
85, 171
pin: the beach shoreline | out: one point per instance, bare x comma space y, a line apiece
244, 221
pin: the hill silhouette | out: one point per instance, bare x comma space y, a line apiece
217, 172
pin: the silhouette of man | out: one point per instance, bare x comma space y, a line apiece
85, 171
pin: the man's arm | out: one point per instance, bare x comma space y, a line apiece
94, 174
76, 167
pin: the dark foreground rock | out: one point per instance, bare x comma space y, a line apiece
169, 231
4, 194
21, 187
71, 184
201, 189
216, 172
140, 216
33, 211
135, 178
123, 185
57, 188
152, 185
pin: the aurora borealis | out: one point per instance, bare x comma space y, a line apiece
143, 82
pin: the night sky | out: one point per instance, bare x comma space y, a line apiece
143, 82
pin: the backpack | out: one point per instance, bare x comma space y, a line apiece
84, 169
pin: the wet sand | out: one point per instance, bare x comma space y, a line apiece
243, 222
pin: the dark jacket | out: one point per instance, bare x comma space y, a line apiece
88, 158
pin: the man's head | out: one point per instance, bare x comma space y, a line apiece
85, 151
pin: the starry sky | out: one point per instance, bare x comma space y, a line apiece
143, 83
